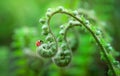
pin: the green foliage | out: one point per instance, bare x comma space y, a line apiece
4, 61
23, 47
70, 50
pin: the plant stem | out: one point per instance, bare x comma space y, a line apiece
97, 40
92, 33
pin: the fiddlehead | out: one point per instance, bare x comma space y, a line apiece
81, 21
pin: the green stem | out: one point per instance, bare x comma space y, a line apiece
48, 23
92, 33
65, 35
97, 40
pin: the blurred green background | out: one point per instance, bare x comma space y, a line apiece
20, 28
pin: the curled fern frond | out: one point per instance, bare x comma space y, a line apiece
63, 52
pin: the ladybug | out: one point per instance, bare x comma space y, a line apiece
39, 42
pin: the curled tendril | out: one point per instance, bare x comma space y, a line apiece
46, 50
80, 21
62, 58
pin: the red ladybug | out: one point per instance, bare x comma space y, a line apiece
39, 42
